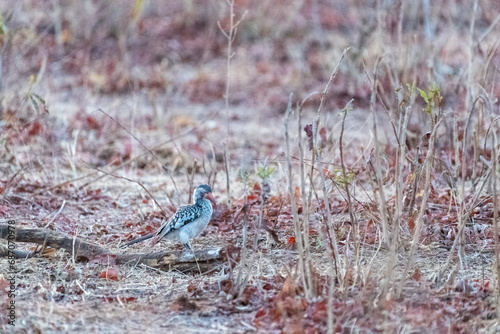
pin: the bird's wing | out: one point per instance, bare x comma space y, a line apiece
185, 214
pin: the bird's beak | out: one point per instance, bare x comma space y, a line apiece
211, 198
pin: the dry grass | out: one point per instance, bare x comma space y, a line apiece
385, 216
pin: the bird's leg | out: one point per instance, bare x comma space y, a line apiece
188, 246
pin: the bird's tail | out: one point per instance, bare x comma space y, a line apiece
146, 237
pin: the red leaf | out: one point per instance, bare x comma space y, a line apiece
93, 123
260, 314
191, 289
127, 151
417, 275
411, 223
252, 197
309, 133
322, 134
291, 241
256, 188
35, 128
109, 274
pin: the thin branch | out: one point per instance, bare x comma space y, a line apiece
354, 222
144, 146
58, 212
121, 165
382, 201
295, 216
423, 207
130, 180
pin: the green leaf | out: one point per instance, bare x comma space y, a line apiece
243, 175
264, 172
39, 98
424, 95
33, 101
435, 89
3, 28
338, 176
411, 88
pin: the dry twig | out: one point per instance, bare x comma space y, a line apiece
84, 250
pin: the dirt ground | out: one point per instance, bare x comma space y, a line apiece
113, 111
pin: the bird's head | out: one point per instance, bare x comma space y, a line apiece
204, 191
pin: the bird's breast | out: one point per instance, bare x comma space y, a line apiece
196, 227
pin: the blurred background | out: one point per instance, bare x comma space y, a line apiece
163, 65
98, 96
92, 83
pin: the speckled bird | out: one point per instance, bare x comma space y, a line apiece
187, 222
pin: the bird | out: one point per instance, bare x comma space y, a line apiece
187, 222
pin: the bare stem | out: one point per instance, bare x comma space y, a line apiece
308, 279
494, 163
296, 223
423, 207
382, 201
462, 216
243, 254
228, 187
230, 36
346, 184
400, 158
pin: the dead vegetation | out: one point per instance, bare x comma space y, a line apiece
352, 149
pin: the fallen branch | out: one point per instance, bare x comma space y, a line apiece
85, 251
179, 260
16, 254
42, 236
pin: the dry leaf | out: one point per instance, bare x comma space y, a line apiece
109, 274
49, 252
417, 275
